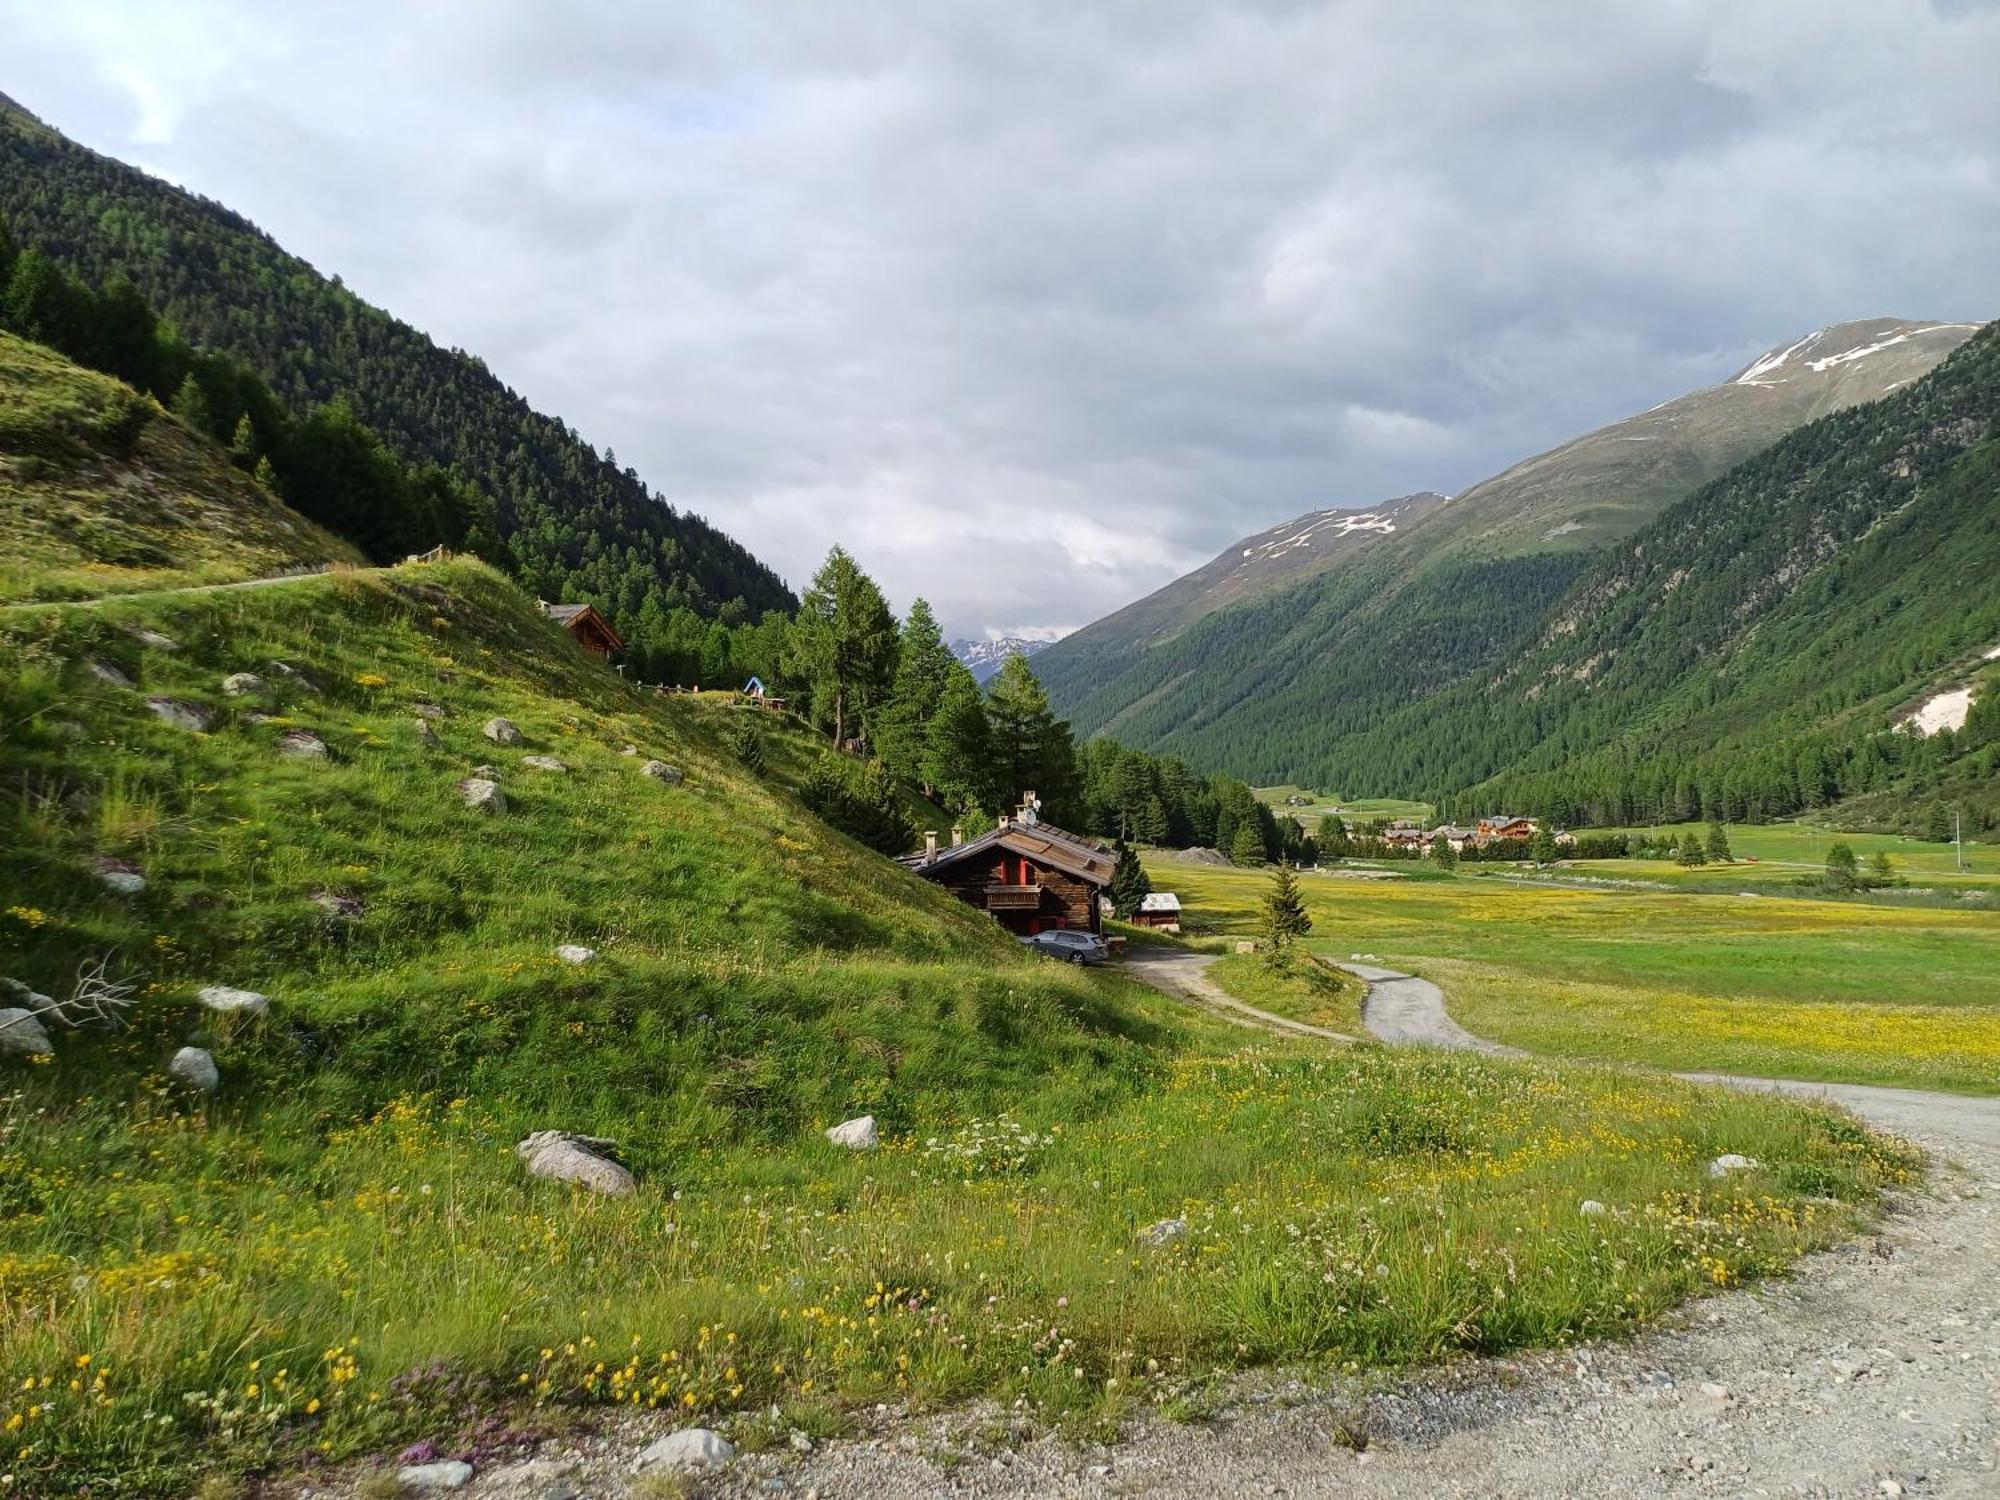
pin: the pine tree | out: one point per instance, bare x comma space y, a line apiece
190, 404
1032, 749
1129, 884
1542, 847
1880, 871
1718, 845
925, 669
1285, 917
1246, 847
1691, 853
1937, 824
243, 449
843, 646
956, 761
1841, 868
1442, 854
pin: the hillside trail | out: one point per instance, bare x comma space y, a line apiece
23, 606
1184, 976
1874, 1371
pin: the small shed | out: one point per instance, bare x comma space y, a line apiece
1026, 874
1160, 909
586, 627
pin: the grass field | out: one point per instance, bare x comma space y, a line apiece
1794, 987
1300, 990
1361, 809
338, 1253
1786, 851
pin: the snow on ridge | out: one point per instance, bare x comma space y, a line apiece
1772, 361
1848, 356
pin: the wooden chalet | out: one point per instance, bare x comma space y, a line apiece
1159, 909
587, 628
1504, 826
1027, 875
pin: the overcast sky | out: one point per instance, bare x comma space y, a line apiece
1034, 306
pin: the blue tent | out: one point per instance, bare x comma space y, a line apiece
754, 687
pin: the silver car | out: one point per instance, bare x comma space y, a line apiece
1075, 947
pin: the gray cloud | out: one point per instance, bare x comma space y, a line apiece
1036, 305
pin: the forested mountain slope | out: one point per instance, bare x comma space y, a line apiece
577, 526
1282, 687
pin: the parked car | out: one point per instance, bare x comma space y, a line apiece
1073, 947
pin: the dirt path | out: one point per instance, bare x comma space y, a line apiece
192, 588
1184, 976
1406, 1011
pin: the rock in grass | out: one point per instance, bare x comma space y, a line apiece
575, 953
1730, 1162
1590, 1208
659, 770
231, 1001
690, 1448
104, 671
629, 750
447, 1474
301, 744
560, 1156
482, 796
181, 714
1165, 1232
22, 1033
856, 1135
120, 876
338, 909
153, 638
195, 1068
501, 732
426, 736
236, 684
428, 710
291, 674
544, 763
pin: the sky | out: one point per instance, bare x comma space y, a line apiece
1035, 306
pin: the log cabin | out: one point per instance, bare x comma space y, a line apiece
1028, 875
587, 628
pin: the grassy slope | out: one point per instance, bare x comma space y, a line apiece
1792, 987
275, 1270
1786, 852
69, 438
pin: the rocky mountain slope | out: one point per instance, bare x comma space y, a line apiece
985, 658
1276, 687
578, 525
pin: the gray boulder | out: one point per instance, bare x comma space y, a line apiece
195, 1068
575, 953
104, 671
1590, 1208
1165, 1232
120, 876
236, 684
561, 1156
182, 714
301, 744
1729, 1162
544, 763
22, 1033
690, 1448
446, 1474
428, 710
659, 770
337, 908
501, 732
232, 1001
482, 796
291, 674
856, 1135
426, 736
153, 638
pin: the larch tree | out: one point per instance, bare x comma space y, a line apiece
1032, 748
925, 670
843, 645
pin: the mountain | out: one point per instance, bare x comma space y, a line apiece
102, 492
576, 524
986, 658
1291, 685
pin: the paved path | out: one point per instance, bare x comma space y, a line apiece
1184, 975
1406, 1011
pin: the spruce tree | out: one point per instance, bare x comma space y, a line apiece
1246, 846
1285, 918
956, 760
1718, 845
1442, 854
843, 646
1691, 853
1842, 868
1032, 749
1542, 847
1129, 884
925, 669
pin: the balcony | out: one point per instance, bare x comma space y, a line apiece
1013, 897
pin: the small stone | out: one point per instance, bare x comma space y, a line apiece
857, 1134
491, 773
428, 710
196, 1068
544, 763
690, 1448
629, 750
236, 684
120, 876
800, 1443
427, 736
1165, 1232
659, 770
104, 671
575, 953
301, 744
337, 908
231, 1001
292, 674
1590, 1208
181, 714
561, 1156
1730, 1162
482, 795
1890, 1488
450, 1474
153, 638
501, 732
22, 1033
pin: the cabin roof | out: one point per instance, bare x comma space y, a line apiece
1160, 901
1084, 858
579, 618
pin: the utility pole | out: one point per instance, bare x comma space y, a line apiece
1958, 837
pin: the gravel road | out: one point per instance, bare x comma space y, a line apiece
1184, 976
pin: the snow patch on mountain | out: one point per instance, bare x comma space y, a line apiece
1325, 525
986, 658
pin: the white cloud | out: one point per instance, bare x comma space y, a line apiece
1035, 305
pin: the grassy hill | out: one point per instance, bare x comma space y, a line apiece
578, 524
70, 438
1298, 684
337, 1252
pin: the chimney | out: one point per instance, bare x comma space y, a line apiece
957, 835
930, 846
